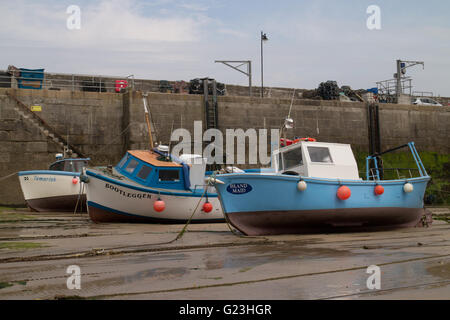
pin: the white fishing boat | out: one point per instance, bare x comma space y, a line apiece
57, 189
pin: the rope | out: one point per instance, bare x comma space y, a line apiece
234, 231
78, 199
183, 230
9, 175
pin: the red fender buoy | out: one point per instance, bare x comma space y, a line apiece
207, 207
379, 190
74, 180
343, 193
159, 205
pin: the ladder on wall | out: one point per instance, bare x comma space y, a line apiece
211, 114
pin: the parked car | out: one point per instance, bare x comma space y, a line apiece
426, 102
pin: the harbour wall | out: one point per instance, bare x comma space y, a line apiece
104, 125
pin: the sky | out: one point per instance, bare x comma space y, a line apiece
309, 41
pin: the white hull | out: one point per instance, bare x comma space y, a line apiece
108, 200
50, 191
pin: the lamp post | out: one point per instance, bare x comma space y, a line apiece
263, 38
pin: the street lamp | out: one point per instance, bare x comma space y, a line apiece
263, 38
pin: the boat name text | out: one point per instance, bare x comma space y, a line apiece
239, 188
49, 179
128, 194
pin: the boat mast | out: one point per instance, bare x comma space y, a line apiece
147, 119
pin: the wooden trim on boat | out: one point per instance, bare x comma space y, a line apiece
152, 158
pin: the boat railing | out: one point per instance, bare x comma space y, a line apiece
409, 174
377, 172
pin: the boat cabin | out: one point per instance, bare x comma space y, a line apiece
154, 169
316, 159
69, 165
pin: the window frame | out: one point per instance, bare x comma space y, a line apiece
168, 181
290, 151
331, 162
148, 175
126, 166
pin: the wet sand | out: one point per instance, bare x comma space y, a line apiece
141, 261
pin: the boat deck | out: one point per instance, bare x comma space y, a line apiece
138, 261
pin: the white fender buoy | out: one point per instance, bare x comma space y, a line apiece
301, 185
408, 187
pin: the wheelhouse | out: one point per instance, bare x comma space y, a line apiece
70, 165
153, 170
316, 159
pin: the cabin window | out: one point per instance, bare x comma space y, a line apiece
169, 175
122, 162
75, 166
131, 166
320, 154
144, 172
59, 166
293, 158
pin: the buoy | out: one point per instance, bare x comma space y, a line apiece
343, 193
207, 207
159, 205
301, 185
379, 190
408, 187
74, 180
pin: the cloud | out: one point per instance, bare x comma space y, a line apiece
232, 32
309, 42
111, 24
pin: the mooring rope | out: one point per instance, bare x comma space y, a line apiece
78, 198
8, 176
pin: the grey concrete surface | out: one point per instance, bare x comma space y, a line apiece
140, 261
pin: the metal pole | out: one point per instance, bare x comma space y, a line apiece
262, 67
250, 78
399, 82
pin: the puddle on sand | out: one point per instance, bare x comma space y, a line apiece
257, 255
155, 257
151, 274
441, 270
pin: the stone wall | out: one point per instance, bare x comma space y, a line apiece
105, 125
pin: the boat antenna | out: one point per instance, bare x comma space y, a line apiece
287, 124
292, 102
170, 142
147, 119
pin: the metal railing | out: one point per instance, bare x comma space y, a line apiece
374, 172
427, 94
72, 82
94, 83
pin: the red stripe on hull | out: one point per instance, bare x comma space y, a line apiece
314, 221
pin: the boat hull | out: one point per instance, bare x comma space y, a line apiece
113, 200
52, 191
325, 220
272, 204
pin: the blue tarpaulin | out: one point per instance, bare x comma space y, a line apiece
31, 78
373, 90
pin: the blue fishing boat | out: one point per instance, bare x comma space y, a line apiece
152, 186
315, 187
